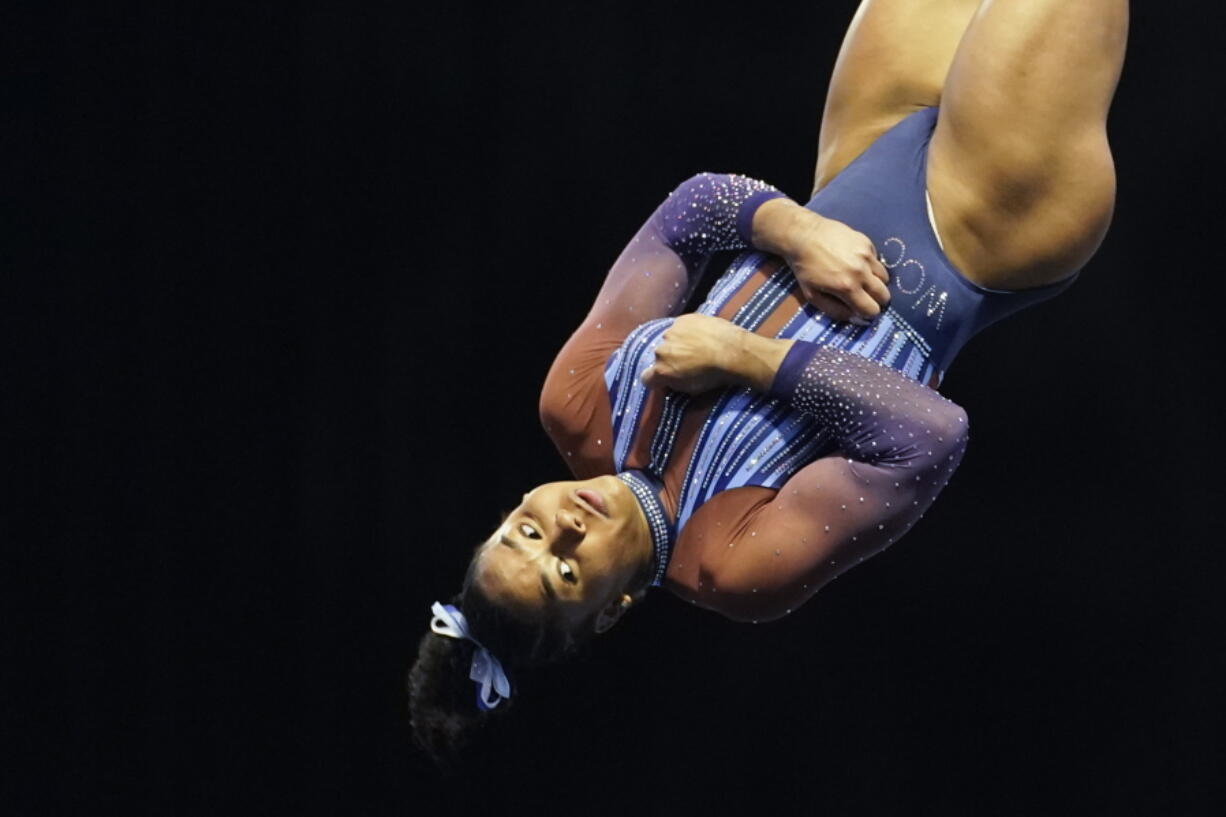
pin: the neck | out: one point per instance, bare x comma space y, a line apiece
656, 527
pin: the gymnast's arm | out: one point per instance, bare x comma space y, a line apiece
656, 272
654, 277
651, 279
897, 442
835, 266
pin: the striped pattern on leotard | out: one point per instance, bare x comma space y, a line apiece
747, 438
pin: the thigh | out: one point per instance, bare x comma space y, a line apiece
1019, 168
893, 61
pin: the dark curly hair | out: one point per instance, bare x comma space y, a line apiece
442, 700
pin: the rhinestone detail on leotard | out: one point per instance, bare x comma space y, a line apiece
646, 491
707, 213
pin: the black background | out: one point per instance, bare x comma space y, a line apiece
289, 280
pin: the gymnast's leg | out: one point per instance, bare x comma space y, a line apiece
893, 61
1019, 169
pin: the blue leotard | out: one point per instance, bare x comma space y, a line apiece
882, 194
802, 496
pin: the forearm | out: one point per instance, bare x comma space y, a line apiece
838, 269
661, 265
875, 412
720, 211
841, 389
710, 212
896, 445
755, 359
781, 226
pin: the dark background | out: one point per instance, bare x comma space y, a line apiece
282, 284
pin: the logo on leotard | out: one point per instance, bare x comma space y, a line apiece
909, 276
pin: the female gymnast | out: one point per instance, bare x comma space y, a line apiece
744, 455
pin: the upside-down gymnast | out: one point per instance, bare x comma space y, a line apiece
744, 455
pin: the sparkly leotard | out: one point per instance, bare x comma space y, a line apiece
934, 309
756, 500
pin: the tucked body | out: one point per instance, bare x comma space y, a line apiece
743, 456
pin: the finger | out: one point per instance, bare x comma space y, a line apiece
648, 375
877, 265
863, 304
662, 375
878, 291
830, 305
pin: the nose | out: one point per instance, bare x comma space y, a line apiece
571, 521
571, 528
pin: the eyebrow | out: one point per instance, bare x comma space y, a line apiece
551, 595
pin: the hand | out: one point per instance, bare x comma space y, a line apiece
697, 353
838, 269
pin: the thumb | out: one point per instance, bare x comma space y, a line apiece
648, 375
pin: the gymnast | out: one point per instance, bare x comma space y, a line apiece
744, 455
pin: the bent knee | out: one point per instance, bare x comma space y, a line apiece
1016, 177
1024, 215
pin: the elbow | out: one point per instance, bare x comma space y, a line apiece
551, 418
546, 416
547, 407
952, 427
752, 602
697, 180
950, 433
686, 187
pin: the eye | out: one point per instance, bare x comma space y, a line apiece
567, 574
528, 530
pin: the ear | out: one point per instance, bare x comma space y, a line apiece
612, 614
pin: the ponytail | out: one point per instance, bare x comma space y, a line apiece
442, 700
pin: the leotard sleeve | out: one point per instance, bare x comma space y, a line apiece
896, 443
656, 272
652, 278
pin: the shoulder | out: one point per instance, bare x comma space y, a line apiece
574, 404
709, 561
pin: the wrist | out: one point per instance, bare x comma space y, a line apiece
757, 360
781, 226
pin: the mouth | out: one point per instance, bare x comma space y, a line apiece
593, 501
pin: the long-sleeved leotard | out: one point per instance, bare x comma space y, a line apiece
895, 445
766, 497
651, 279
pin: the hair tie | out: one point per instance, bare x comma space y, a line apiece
492, 683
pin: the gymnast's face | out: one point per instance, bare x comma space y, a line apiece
569, 549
